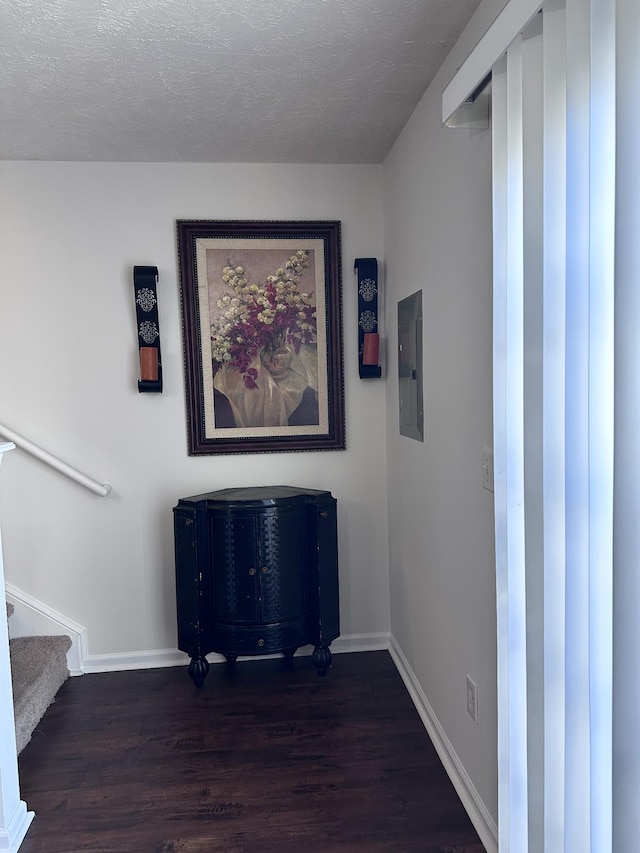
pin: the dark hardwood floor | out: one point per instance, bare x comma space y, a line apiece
269, 758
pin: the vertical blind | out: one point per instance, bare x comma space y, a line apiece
553, 103
626, 684
566, 221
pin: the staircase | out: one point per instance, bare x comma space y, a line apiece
38, 670
38, 664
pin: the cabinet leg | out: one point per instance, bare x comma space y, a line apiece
198, 669
231, 659
289, 653
321, 659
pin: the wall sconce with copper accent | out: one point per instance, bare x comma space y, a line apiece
145, 281
368, 335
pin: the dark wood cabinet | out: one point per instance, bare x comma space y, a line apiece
256, 573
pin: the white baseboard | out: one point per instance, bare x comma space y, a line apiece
121, 661
361, 643
155, 658
34, 618
12, 835
478, 813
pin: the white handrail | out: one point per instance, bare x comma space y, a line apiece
99, 488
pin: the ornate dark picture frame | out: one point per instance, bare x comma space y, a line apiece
262, 331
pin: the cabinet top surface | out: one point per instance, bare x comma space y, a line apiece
255, 494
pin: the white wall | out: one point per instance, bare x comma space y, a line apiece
70, 236
437, 226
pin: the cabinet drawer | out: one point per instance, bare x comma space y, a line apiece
259, 639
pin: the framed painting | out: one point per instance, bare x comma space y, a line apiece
262, 331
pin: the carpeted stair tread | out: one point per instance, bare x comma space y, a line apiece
10, 609
38, 669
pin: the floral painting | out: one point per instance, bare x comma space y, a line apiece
262, 325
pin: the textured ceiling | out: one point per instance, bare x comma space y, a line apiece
281, 81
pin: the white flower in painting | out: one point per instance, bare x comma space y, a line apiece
256, 315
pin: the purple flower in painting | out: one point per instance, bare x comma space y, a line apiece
266, 316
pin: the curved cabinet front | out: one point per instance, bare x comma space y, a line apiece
256, 573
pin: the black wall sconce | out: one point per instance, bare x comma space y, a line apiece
368, 336
145, 281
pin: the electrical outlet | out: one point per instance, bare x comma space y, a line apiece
472, 699
487, 469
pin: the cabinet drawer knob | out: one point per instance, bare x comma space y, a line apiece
189, 521
265, 570
252, 572
261, 642
324, 514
